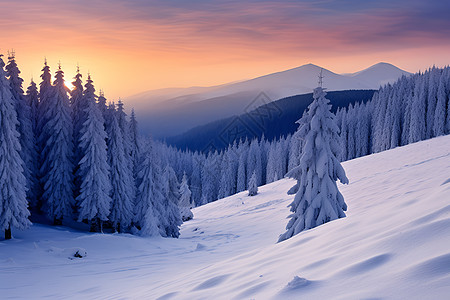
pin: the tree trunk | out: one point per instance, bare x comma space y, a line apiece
8, 233
57, 222
96, 225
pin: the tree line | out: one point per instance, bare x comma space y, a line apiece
413, 108
71, 156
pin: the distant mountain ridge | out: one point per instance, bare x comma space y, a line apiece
270, 120
168, 112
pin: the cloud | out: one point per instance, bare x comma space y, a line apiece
175, 36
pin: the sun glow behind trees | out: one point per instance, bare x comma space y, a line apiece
386, 121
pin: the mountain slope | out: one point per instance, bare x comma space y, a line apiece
274, 119
393, 244
379, 74
180, 112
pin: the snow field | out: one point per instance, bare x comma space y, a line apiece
393, 244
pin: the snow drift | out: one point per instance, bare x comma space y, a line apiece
393, 244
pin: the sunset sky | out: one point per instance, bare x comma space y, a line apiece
134, 46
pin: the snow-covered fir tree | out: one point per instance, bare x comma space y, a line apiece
149, 200
122, 180
171, 214
124, 126
57, 153
135, 141
196, 178
45, 95
79, 105
101, 102
318, 199
13, 203
417, 131
252, 185
32, 99
254, 163
94, 199
241, 182
185, 203
28, 150
439, 116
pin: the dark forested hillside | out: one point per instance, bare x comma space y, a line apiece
274, 119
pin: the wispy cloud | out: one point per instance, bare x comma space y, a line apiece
220, 30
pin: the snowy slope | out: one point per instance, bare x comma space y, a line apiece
393, 244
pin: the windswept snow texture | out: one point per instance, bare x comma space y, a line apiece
393, 244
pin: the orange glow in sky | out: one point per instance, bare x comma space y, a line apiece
134, 46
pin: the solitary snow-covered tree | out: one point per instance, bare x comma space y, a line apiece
13, 202
185, 202
318, 199
252, 185
94, 199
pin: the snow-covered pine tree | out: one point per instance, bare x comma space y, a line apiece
102, 104
271, 164
13, 202
318, 199
185, 203
407, 97
417, 129
124, 126
122, 181
45, 95
149, 200
196, 178
33, 102
343, 137
447, 121
227, 185
241, 182
210, 181
94, 199
351, 123
252, 185
254, 161
439, 115
135, 144
32, 99
172, 218
25, 128
78, 104
280, 166
57, 153
433, 83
